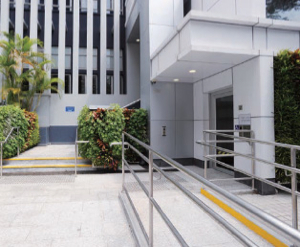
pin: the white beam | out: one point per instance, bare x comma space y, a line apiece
48, 31
89, 48
33, 21
62, 41
103, 41
75, 45
116, 46
19, 17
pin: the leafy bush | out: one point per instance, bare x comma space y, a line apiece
286, 106
33, 137
11, 116
101, 128
104, 126
136, 125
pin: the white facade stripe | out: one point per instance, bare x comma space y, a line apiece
75, 45
103, 44
62, 41
19, 17
33, 21
48, 31
117, 46
89, 48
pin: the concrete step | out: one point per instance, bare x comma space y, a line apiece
44, 161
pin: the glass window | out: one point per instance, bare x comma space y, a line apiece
82, 58
83, 5
110, 6
68, 54
69, 5
109, 84
121, 60
96, 6
55, 4
25, 86
283, 10
96, 85
110, 59
123, 89
68, 84
54, 84
82, 84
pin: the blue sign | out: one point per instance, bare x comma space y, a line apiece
70, 108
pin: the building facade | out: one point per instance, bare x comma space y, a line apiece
194, 64
211, 62
86, 41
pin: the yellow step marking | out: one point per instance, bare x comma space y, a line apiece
44, 158
45, 166
252, 226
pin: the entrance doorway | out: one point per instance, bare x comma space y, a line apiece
222, 118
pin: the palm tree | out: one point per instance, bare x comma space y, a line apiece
18, 53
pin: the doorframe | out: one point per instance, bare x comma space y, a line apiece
212, 121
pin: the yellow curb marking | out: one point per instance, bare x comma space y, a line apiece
258, 230
48, 158
45, 166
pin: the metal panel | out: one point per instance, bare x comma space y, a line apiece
62, 41
75, 45
89, 50
19, 17
48, 32
117, 46
103, 42
33, 21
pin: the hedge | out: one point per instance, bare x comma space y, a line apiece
12, 116
286, 107
104, 126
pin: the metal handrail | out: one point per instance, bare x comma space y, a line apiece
293, 169
280, 227
1, 147
76, 149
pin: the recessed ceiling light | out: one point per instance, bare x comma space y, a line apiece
176, 80
137, 40
192, 71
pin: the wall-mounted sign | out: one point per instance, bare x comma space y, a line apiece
70, 108
244, 119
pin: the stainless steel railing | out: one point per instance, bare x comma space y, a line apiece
76, 149
280, 227
1, 147
293, 169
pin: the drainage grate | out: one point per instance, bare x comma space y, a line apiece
37, 179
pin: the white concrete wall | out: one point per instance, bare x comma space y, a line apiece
163, 18
172, 106
254, 8
253, 89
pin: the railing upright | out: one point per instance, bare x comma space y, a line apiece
150, 198
294, 189
123, 165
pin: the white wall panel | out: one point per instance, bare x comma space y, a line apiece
218, 82
161, 12
184, 139
103, 47
221, 35
259, 38
282, 39
75, 45
89, 42
62, 41
33, 21
184, 101
19, 17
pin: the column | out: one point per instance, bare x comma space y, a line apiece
89, 48
62, 41
116, 46
103, 44
75, 45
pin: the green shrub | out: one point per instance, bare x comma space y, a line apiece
286, 106
104, 126
136, 125
11, 116
101, 128
33, 137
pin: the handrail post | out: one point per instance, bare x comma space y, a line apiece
123, 165
150, 197
18, 141
205, 153
1, 158
294, 189
76, 157
253, 159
